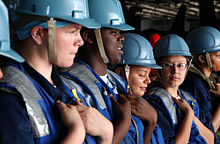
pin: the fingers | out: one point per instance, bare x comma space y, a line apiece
112, 98
80, 108
177, 100
122, 98
217, 84
211, 91
130, 97
60, 105
78, 103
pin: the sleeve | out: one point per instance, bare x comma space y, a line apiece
195, 87
163, 120
157, 136
15, 126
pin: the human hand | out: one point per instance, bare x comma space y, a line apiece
216, 92
73, 122
121, 108
142, 109
122, 117
95, 123
69, 115
183, 105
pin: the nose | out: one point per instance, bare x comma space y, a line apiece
147, 80
121, 37
79, 41
175, 69
1, 73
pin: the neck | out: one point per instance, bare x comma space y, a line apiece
206, 71
172, 91
99, 68
95, 61
45, 69
36, 57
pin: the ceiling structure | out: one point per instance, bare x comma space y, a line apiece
167, 9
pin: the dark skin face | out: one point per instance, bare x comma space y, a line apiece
112, 41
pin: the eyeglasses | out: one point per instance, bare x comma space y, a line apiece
179, 66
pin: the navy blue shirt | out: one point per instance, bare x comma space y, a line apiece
165, 119
15, 126
195, 85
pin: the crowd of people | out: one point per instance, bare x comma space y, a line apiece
71, 73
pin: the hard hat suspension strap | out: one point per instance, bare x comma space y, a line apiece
208, 59
51, 41
101, 46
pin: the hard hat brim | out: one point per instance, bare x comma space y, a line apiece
155, 66
122, 27
88, 22
12, 55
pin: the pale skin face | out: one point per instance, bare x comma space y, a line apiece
172, 77
215, 59
139, 79
1, 73
68, 40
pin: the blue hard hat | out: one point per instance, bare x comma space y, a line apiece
109, 14
5, 48
69, 10
204, 39
138, 51
169, 45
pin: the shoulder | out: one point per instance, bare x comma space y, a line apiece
192, 80
188, 95
194, 85
14, 121
116, 76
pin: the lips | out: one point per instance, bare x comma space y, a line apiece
120, 50
174, 78
143, 88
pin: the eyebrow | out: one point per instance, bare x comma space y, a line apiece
75, 26
144, 70
178, 61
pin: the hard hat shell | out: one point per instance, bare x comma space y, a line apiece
109, 14
169, 45
5, 49
204, 39
138, 51
70, 10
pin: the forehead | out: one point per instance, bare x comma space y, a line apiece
72, 26
174, 59
140, 68
215, 53
105, 29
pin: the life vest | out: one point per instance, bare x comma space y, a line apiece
157, 136
46, 129
174, 115
210, 81
99, 91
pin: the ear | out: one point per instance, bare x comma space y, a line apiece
88, 36
120, 71
37, 34
202, 58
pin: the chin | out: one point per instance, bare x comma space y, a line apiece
65, 65
140, 94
